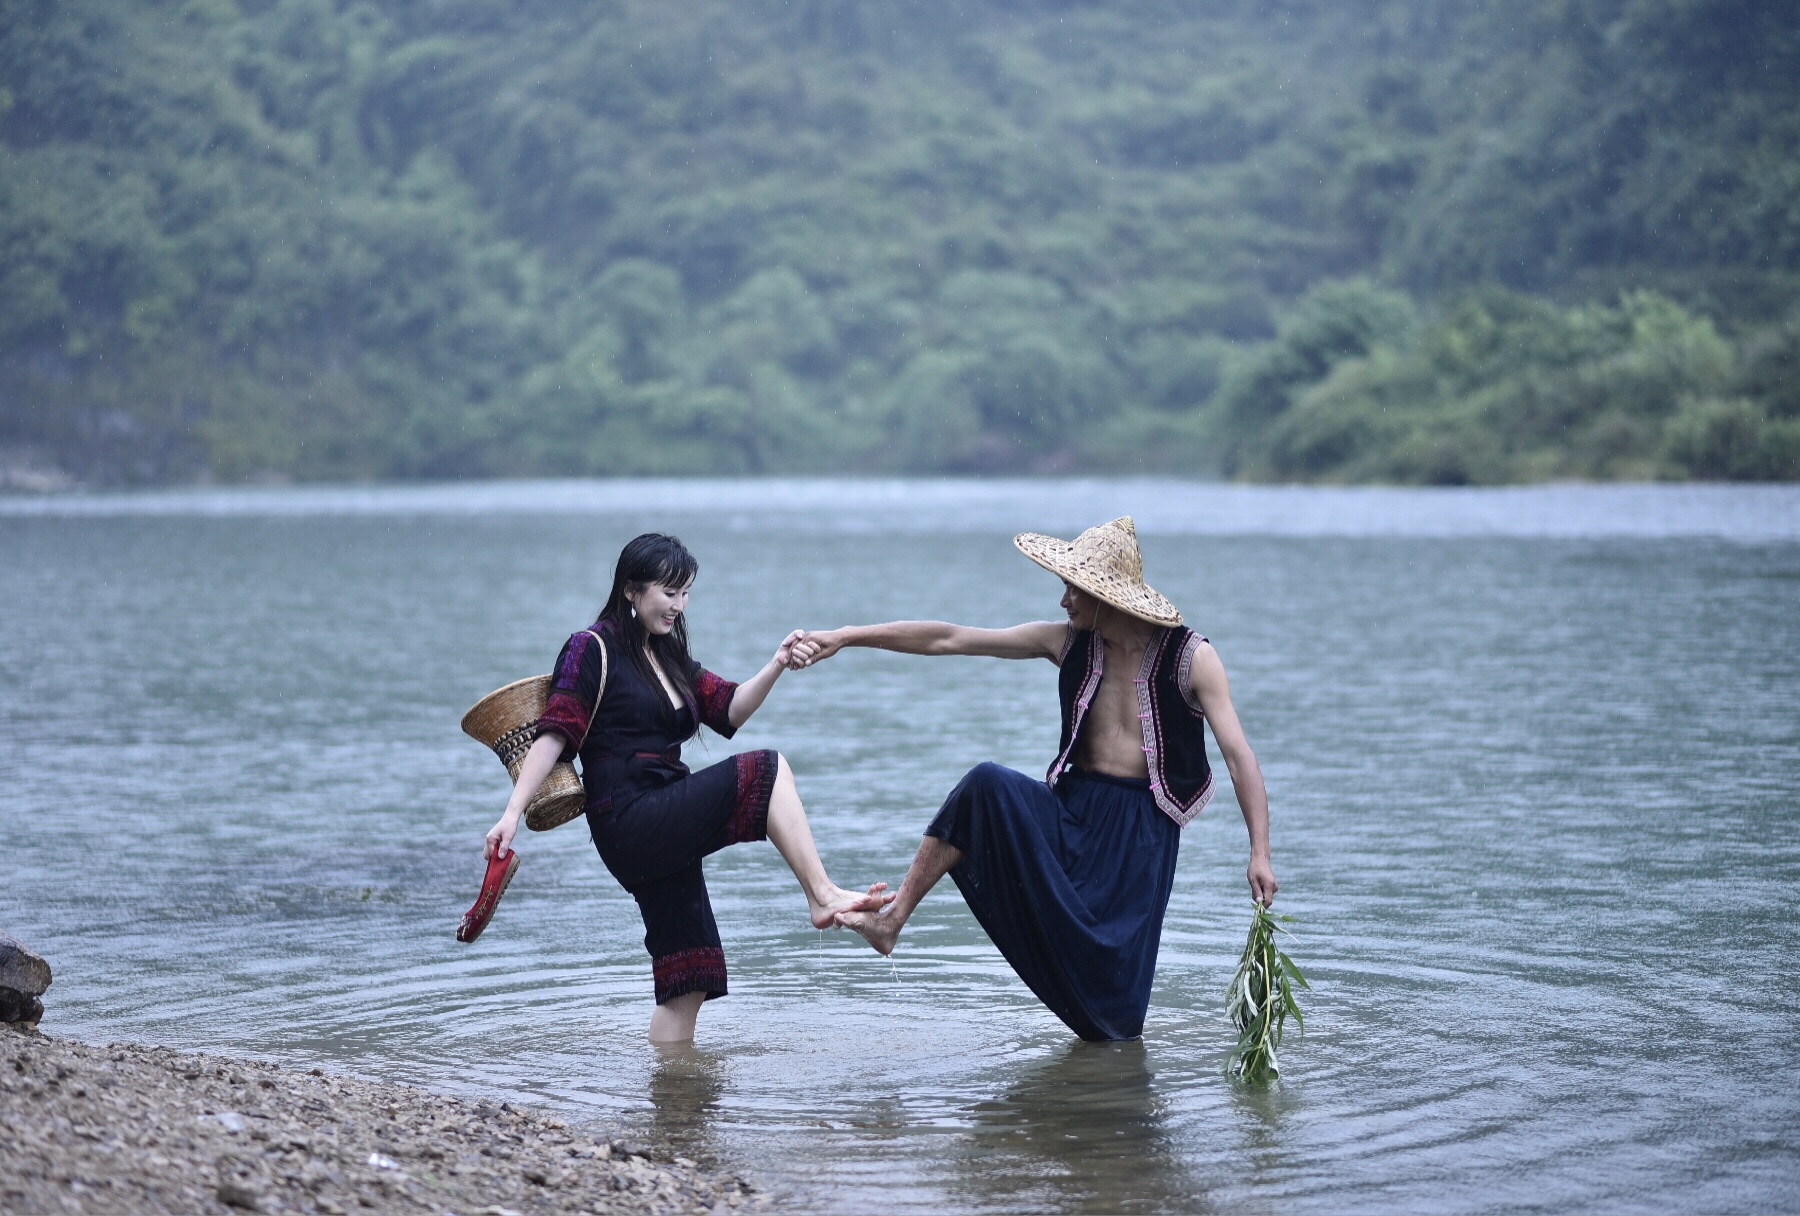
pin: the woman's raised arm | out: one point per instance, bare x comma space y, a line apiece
1033, 640
749, 696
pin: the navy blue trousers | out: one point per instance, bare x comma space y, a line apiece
1070, 883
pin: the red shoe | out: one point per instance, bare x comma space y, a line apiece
499, 873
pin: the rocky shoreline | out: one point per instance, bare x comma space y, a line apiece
128, 1128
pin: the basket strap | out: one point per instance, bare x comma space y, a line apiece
602, 691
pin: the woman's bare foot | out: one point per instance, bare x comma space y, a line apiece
881, 929
838, 900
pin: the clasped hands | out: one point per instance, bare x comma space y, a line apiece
803, 648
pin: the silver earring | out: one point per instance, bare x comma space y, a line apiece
634, 612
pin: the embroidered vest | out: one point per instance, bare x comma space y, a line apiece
1174, 728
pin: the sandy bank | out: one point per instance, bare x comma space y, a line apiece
125, 1128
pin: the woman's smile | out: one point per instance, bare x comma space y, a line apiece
659, 606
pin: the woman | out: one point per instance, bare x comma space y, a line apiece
652, 820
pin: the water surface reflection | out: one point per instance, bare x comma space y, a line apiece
1533, 758
1083, 1131
686, 1084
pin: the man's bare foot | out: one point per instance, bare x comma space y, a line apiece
824, 915
881, 929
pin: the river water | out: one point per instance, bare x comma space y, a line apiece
1534, 758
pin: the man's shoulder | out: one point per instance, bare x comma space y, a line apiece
1198, 658
1041, 639
1070, 638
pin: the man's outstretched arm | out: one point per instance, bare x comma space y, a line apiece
1034, 640
1214, 693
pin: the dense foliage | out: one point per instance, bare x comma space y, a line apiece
1417, 240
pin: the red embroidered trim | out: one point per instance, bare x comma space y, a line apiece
566, 715
699, 969
565, 711
712, 701
755, 784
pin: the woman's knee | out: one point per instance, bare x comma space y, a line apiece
784, 776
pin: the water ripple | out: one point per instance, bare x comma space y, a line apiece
1533, 754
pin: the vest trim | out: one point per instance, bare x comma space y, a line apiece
1083, 698
1150, 722
1184, 672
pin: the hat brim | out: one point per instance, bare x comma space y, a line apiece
1131, 596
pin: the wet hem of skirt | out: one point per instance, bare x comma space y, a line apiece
701, 969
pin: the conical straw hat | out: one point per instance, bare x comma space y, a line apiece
1106, 563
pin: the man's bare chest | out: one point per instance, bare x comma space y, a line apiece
1111, 737
1114, 708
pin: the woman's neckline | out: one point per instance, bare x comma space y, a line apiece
662, 681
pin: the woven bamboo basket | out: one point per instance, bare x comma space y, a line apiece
507, 721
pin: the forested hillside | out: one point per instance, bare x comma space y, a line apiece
1411, 240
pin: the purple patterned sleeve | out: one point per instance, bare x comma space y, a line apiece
713, 701
574, 683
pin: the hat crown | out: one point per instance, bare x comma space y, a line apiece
1112, 547
1106, 563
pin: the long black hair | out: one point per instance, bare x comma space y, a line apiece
653, 558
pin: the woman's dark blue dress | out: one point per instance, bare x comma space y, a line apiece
1071, 884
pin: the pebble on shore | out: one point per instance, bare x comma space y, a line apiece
24, 977
126, 1128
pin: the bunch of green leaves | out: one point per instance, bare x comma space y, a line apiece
1261, 998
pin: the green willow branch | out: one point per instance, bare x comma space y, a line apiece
1261, 998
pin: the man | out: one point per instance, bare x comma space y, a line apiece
1071, 876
